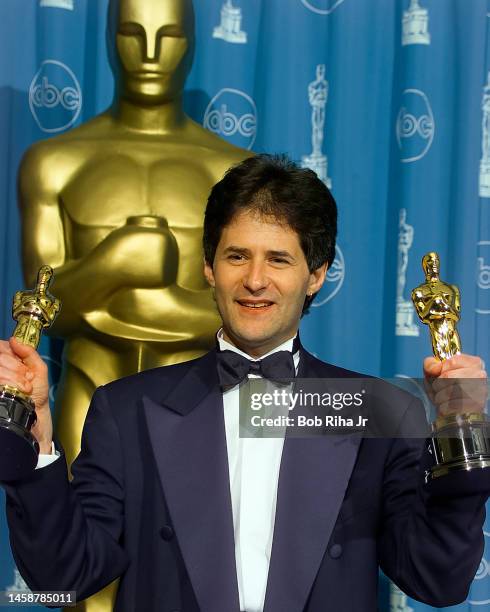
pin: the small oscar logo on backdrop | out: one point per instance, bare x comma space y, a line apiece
230, 28
415, 25
405, 325
318, 96
485, 142
398, 600
18, 585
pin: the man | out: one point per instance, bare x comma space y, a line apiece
167, 496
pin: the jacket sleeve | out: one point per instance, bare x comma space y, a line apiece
431, 539
66, 536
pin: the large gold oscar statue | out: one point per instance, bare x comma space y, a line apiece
116, 208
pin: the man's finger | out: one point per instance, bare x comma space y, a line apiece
475, 390
463, 374
462, 361
28, 354
12, 362
12, 381
5, 348
432, 366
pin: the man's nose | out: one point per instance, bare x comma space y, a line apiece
256, 277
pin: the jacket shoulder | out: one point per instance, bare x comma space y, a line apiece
315, 366
154, 383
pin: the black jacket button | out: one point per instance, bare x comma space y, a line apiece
335, 551
166, 532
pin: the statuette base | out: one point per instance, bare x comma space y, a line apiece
460, 442
19, 449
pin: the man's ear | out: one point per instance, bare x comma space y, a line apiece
317, 278
209, 274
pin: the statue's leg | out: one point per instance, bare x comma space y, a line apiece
72, 402
103, 601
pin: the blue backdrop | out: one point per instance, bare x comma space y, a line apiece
388, 100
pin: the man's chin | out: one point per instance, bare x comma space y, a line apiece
253, 338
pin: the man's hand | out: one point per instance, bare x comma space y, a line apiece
22, 367
457, 385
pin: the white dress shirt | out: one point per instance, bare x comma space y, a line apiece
254, 474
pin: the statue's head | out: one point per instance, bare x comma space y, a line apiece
154, 41
431, 265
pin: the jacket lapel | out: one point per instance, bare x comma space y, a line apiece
188, 438
313, 479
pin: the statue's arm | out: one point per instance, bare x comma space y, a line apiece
43, 174
422, 303
85, 284
42, 226
457, 298
43, 239
77, 283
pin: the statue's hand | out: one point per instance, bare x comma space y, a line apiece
22, 367
136, 256
457, 385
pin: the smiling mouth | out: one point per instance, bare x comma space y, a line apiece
255, 305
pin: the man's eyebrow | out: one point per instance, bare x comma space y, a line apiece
243, 251
280, 254
236, 249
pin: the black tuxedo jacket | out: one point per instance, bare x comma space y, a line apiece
150, 502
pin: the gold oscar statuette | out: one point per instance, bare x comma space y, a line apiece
459, 441
34, 311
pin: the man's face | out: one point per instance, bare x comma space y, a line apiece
261, 278
154, 40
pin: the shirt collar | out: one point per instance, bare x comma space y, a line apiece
224, 345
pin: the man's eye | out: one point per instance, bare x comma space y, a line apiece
280, 260
235, 257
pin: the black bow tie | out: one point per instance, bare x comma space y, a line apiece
233, 367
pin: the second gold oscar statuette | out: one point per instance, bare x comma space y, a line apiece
459, 441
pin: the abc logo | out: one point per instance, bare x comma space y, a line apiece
415, 126
483, 277
322, 7
55, 97
334, 280
233, 115
480, 589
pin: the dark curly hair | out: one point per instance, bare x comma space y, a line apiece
274, 186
